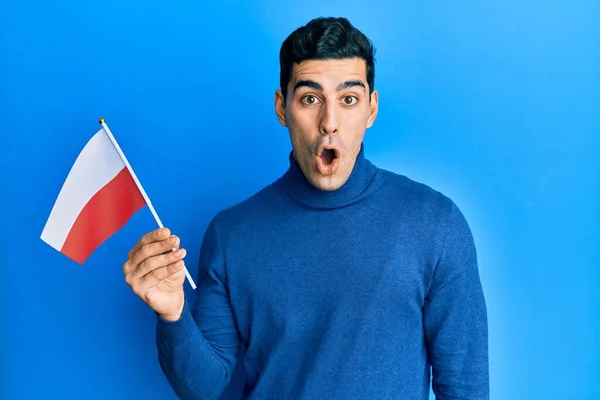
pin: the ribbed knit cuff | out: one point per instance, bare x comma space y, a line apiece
177, 332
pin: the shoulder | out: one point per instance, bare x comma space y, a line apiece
422, 204
250, 210
430, 212
414, 196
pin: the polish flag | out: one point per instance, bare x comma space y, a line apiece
97, 199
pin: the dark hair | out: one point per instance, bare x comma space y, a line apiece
325, 38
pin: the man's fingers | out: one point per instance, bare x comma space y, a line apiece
152, 263
141, 251
153, 249
152, 236
157, 275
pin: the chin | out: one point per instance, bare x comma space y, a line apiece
327, 183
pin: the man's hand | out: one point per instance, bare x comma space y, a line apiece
156, 273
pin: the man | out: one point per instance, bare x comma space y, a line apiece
340, 279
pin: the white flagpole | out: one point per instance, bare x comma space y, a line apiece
139, 185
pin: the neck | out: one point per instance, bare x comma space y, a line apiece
294, 182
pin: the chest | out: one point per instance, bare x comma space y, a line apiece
310, 268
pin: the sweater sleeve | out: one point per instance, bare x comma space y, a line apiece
197, 353
455, 318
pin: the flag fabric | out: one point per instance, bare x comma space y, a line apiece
97, 199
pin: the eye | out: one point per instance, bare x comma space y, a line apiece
310, 99
350, 100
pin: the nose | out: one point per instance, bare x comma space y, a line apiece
329, 119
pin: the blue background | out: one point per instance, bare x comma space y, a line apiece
496, 104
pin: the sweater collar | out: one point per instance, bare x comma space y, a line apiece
300, 189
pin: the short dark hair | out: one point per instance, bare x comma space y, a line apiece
325, 38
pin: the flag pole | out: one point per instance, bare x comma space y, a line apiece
102, 122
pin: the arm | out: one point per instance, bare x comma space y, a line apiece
455, 317
197, 353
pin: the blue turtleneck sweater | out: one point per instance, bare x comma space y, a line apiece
351, 294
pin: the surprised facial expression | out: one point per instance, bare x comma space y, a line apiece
327, 111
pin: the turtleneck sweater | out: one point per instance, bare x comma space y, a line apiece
370, 291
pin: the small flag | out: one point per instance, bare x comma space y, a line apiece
101, 193
98, 197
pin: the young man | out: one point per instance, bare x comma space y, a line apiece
340, 279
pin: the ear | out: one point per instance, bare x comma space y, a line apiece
280, 107
373, 108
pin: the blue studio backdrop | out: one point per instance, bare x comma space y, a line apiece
495, 104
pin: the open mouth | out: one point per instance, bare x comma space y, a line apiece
328, 160
328, 155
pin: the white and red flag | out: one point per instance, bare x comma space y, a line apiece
100, 194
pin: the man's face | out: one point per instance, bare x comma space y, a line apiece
327, 112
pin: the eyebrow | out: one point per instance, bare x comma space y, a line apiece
317, 86
349, 84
